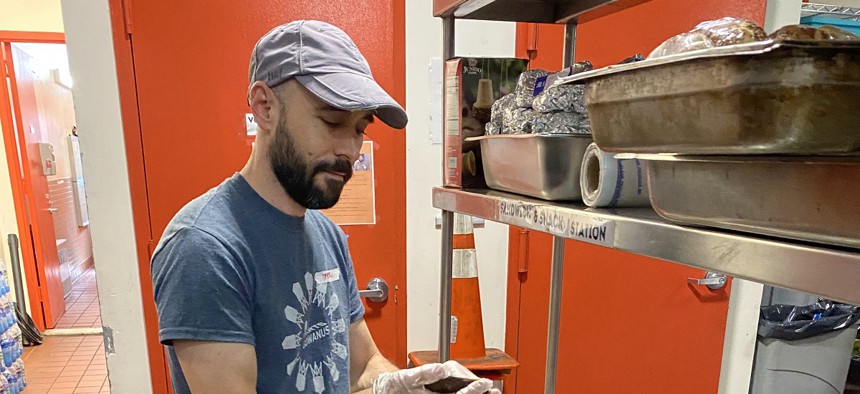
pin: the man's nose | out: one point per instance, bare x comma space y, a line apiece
349, 147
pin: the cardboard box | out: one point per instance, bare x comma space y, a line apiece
471, 86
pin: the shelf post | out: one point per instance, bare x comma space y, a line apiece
447, 37
445, 286
569, 43
555, 288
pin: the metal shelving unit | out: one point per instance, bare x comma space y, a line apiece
833, 11
828, 271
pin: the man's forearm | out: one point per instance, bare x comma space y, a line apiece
375, 366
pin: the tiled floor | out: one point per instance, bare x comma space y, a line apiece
66, 365
82, 305
70, 364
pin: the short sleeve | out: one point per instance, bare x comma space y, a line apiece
202, 291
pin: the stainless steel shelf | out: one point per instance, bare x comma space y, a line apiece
832, 11
818, 269
537, 11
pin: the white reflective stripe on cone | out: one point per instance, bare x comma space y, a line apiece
465, 264
462, 224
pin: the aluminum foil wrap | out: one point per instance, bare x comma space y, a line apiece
565, 98
519, 120
526, 86
497, 113
498, 110
561, 123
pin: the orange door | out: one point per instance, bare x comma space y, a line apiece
629, 323
35, 188
190, 61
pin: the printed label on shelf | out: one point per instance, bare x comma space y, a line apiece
558, 222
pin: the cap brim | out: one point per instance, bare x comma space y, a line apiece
353, 92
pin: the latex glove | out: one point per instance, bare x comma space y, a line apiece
412, 381
480, 386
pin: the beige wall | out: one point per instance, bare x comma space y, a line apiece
21, 15
424, 171
31, 15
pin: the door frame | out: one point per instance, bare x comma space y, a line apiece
10, 115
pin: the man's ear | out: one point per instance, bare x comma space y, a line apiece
264, 106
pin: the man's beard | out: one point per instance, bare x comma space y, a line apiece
297, 176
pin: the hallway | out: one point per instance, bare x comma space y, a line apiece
82, 305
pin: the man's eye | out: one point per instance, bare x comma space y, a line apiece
330, 123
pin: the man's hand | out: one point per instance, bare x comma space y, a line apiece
412, 381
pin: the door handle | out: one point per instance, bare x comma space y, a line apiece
377, 290
53, 210
712, 280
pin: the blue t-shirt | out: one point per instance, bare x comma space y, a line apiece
230, 267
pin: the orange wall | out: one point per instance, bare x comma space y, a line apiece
640, 29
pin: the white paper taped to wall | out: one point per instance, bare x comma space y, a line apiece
610, 182
250, 124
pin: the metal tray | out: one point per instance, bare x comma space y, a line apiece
544, 166
787, 98
813, 199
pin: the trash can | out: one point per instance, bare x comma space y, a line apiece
804, 349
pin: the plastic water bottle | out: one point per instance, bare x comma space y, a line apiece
9, 382
7, 345
21, 371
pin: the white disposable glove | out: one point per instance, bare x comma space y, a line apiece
412, 381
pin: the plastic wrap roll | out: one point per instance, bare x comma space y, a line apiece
609, 182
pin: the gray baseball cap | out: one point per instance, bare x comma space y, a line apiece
326, 62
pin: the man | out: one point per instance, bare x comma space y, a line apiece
255, 289
360, 165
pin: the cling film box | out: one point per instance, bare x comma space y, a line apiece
471, 86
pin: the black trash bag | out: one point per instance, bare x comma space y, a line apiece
792, 323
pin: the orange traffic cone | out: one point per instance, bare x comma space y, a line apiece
467, 323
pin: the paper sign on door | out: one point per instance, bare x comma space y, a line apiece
357, 204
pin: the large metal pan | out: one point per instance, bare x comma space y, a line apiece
544, 166
813, 199
785, 98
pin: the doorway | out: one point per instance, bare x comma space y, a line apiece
46, 183
44, 179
